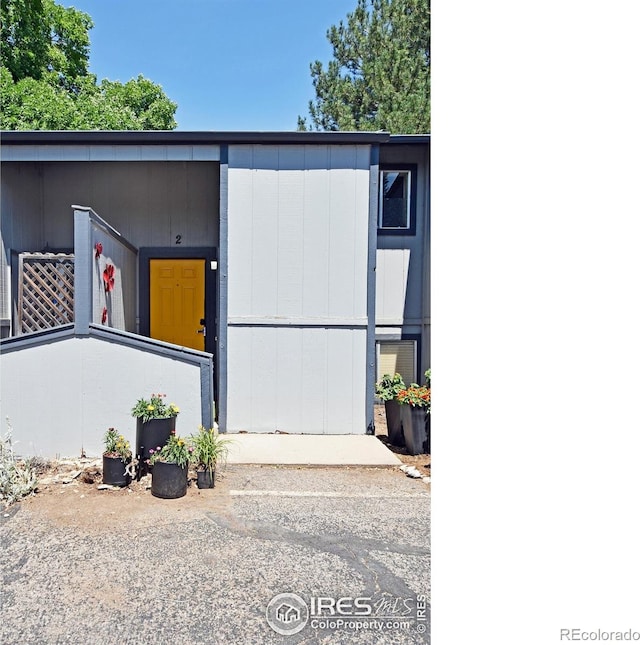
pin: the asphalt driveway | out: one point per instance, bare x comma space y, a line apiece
330, 555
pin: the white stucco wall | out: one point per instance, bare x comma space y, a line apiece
297, 380
61, 397
298, 221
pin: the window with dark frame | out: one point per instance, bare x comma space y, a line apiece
397, 200
395, 189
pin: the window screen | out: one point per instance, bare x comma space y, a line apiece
397, 356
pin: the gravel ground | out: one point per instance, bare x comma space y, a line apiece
120, 566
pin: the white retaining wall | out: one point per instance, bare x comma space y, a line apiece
60, 397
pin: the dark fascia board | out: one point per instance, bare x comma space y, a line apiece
151, 345
177, 137
42, 337
404, 139
63, 332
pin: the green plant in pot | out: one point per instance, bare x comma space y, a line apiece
154, 408
417, 396
170, 467
209, 449
156, 421
387, 390
415, 416
116, 459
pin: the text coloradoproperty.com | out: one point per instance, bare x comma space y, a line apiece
598, 635
341, 623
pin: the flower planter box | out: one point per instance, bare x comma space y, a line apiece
149, 435
394, 424
206, 478
114, 471
416, 428
168, 481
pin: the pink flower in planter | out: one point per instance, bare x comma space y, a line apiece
98, 250
109, 277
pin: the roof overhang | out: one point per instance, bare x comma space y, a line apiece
178, 137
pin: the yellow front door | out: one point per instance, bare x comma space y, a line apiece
176, 293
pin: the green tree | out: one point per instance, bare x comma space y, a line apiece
45, 82
144, 100
23, 30
379, 78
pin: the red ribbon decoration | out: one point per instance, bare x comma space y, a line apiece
108, 276
104, 315
98, 250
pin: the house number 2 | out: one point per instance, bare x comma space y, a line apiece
178, 239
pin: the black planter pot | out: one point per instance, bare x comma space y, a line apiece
113, 471
150, 435
416, 427
168, 481
394, 425
206, 478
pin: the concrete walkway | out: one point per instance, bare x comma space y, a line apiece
310, 450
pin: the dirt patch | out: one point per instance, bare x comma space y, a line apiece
421, 462
68, 489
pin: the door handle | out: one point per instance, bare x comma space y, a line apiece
202, 331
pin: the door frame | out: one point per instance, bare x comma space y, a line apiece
208, 254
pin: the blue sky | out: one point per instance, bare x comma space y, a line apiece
228, 64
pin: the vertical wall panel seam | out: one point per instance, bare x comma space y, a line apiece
305, 173
329, 216
329, 165
355, 372
276, 342
252, 336
252, 177
325, 407
354, 232
278, 215
223, 280
355, 271
374, 170
301, 354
